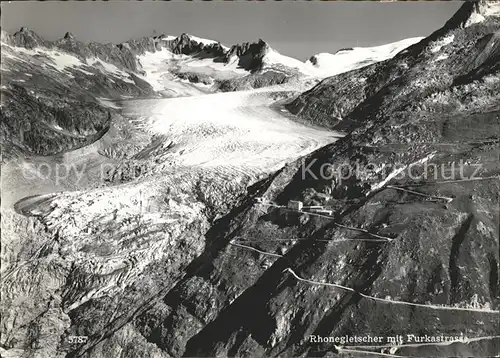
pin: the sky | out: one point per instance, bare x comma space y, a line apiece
294, 28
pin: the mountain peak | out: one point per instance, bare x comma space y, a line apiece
27, 38
256, 48
248, 54
69, 36
184, 36
25, 31
262, 43
188, 44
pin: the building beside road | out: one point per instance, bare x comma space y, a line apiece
295, 205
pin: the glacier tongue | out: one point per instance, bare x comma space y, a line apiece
235, 130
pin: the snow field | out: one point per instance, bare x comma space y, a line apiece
235, 130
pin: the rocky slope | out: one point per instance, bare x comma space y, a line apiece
183, 263
50, 93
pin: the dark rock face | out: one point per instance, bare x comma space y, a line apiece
345, 49
32, 126
249, 54
264, 79
69, 36
185, 45
313, 60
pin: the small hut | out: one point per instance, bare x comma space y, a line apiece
295, 205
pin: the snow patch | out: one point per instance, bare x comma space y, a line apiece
273, 57
357, 57
157, 66
110, 68
154, 63
443, 42
441, 57
63, 60
474, 18
396, 172
202, 41
168, 38
58, 60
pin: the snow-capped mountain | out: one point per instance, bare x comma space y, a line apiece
350, 59
188, 57
261, 56
50, 74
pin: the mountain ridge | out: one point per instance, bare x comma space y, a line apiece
248, 55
